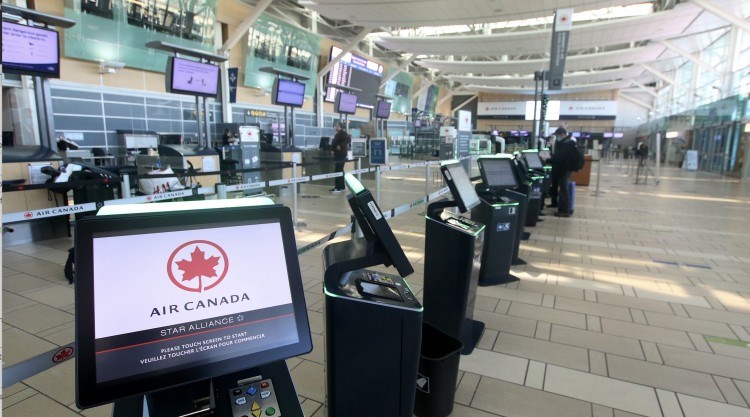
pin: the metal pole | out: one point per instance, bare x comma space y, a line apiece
207, 126
598, 175
658, 157
125, 187
377, 184
221, 191
427, 179
359, 167
294, 194
198, 119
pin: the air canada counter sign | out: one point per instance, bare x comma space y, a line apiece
197, 266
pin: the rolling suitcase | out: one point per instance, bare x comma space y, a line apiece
572, 192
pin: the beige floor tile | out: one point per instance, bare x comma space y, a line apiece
730, 350
20, 283
673, 298
596, 309
495, 365
543, 351
705, 362
731, 394
718, 316
504, 323
318, 353
699, 407
13, 302
19, 346
37, 318
55, 296
511, 400
309, 380
38, 268
689, 324
467, 386
634, 302
463, 411
618, 345
510, 294
549, 315
666, 377
605, 391
17, 393
38, 405
601, 411
670, 406
648, 333
56, 382
543, 288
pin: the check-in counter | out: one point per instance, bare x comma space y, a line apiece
203, 159
583, 177
318, 162
21, 166
277, 163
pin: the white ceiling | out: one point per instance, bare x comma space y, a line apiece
637, 55
662, 25
472, 62
575, 78
415, 13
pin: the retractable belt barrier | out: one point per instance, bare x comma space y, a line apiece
151, 198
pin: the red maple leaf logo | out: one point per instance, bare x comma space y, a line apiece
198, 265
207, 262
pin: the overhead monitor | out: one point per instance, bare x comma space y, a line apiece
497, 172
357, 72
495, 133
288, 93
609, 134
185, 76
30, 51
374, 225
346, 103
170, 296
460, 185
383, 109
533, 160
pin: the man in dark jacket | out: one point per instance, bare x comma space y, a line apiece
340, 148
563, 159
559, 134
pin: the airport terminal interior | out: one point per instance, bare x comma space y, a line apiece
542, 211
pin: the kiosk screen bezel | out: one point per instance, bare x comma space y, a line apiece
459, 183
491, 182
89, 391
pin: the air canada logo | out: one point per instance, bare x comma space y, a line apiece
197, 266
28, 215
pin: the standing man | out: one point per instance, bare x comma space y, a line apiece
556, 137
563, 161
340, 148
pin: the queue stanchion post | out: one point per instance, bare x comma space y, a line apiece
294, 193
377, 184
221, 191
125, 186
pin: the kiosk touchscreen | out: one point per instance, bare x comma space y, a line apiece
498, 173
184, 293
460, 185
533, 161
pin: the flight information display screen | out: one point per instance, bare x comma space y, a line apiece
30, 51
357, 72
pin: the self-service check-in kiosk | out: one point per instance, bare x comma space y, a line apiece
537, 166
244, 156
211, 318
373, 319
530, 184
499, 186
453, 251
448, 135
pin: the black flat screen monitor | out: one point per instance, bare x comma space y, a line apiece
346, 103
30, 51
533, 161
185, 76
383, 110
374, 225
288, 93
460, 185
165, 298
325, 143
498, 173
544, 155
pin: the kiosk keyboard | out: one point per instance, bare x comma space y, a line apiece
254, 397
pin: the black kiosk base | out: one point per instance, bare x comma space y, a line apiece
501, 219
453, 251
373, 336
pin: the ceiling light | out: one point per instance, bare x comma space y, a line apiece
306, 2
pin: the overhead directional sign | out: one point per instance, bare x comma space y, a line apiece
559, 51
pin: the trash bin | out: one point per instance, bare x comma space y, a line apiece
438, 372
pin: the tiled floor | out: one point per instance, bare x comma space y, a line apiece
639, 304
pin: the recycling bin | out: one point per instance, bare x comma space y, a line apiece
438, 372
